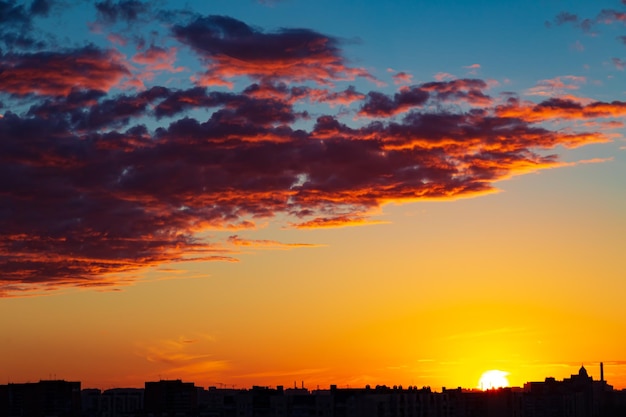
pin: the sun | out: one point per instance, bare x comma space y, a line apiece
493, 379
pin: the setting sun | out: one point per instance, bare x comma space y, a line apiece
493, 379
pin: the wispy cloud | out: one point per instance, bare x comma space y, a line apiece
184, 356
557, 86
267, 244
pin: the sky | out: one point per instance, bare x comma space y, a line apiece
249, 192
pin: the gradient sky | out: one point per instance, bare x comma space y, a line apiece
335, 192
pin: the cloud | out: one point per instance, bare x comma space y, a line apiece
98, 184
381, 105
609, 16
464, 90
473, 69
292, 95
124, 10
230, 48
561, 108
58, 73
556, 86
156, 58
402, 78
620, 64
183, 356
82, 110
16, 23
565, 17
267, 244
587, 25
336, 221
41, 7
345, 97
442, 76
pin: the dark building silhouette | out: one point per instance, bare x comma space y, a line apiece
577, 396
170, 398
90, 401
41, 399
122, 402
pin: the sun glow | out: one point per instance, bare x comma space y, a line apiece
493, 379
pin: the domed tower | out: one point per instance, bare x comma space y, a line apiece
582, 372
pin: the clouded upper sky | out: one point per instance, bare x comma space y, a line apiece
256, 192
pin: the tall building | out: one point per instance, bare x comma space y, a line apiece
41, 399
170, 398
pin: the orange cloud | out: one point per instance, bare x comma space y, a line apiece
559, 108
91, 194
556, 86
158, 59
230, 49
267, 244
58, 73
402, 78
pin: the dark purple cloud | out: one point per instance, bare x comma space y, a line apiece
231, 48
464, 90
565, 17
96, 182
561, 109
80, 205
604, 17
381, 105
16, 23
59, 73
41, 7
110, 11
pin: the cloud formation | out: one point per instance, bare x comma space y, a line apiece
230, 48
17, 21
589, 25
58, 73
99, 179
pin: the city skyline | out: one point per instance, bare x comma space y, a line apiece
301, 385
261, 191
578, 395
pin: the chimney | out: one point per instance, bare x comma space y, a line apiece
601, 372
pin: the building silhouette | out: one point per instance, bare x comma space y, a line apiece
170, 398
38, 399
577, 396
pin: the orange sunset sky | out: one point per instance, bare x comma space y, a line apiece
242, 193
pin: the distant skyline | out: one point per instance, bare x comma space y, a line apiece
256, 192
484, 385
